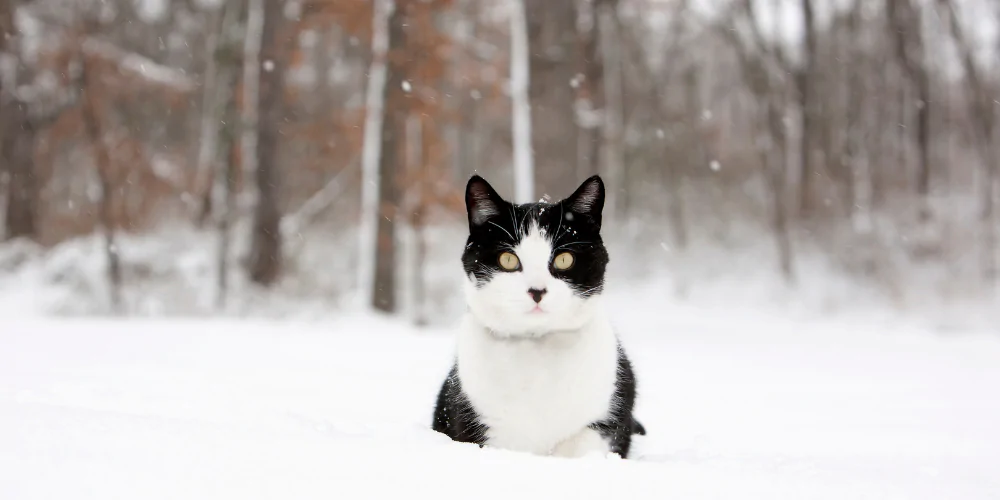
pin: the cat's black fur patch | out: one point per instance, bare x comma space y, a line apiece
454, 415
620, 424
497, 226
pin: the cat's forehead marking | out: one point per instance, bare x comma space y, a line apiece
535, 250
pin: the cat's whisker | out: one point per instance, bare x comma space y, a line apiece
513, 220
559, 228
564, 245
502, 229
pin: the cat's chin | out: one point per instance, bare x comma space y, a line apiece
532, 324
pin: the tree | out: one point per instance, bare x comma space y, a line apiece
806, 82
905, 22
981, 102
18, 134
265, 250
589, 91
384, 283
614, 112
520, 78
760, 64
217, 163
375, 118
552, 40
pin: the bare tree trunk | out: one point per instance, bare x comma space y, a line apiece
250, 133
265, 249
375, 119
905, 20
384, 293
416, 204
223, 160
524, 167
924, 142
862, 191
589, 90
806, 81
551, 43
774, 158
675, 179
223, 191
17, 152
17, 139
210, 117
614, 161
102, 164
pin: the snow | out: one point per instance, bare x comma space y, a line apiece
152, 11
738, 406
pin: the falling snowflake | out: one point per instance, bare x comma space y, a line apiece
715, 165
406, 86
269, 65
660, 133
576, 80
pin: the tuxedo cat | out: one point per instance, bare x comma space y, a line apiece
539, 368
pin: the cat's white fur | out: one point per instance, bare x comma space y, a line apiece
537, 379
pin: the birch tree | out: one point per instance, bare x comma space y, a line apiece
524, 166
589, 92
249, 135
375, 96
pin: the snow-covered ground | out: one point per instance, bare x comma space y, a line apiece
736, 407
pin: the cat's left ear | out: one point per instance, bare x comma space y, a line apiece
481, 201
588, 199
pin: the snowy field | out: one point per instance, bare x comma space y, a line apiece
736, 407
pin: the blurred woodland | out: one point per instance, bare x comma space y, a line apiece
859, 131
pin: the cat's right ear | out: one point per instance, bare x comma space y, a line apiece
481, 201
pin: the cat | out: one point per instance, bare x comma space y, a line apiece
539, 368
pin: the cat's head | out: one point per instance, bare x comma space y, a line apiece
535, 268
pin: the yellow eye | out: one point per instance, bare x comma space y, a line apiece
508, 261
563, 261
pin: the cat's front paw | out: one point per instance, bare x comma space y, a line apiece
581, 444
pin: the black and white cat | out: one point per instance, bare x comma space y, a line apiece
539, 368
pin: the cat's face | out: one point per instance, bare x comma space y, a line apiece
535, 268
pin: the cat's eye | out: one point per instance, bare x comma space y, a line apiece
509, 261
563, 261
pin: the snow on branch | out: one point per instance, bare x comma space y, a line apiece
138, 65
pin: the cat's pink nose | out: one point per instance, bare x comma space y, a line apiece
536, 294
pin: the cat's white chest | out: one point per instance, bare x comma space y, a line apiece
534, 393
